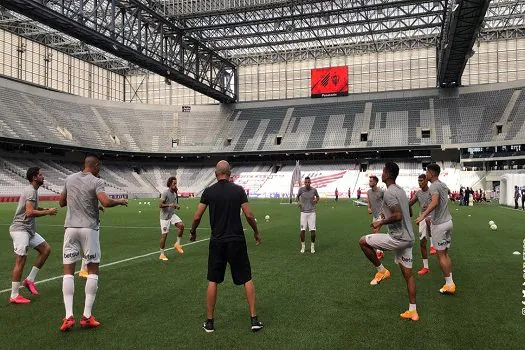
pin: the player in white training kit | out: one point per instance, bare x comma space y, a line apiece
169, 201
442, 225
424, 198
24, 236
81, 194
399, 239
307, 198
375, 205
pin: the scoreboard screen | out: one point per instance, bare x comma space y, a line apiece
329, 82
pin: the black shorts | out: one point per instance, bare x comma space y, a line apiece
233, 253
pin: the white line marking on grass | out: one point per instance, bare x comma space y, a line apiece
111, 263
104, 226
509, 208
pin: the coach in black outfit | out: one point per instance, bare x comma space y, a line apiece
227, 243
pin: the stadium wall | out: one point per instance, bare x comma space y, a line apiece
30, 61
493, 62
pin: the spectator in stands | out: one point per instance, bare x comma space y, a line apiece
517, 196
523, 198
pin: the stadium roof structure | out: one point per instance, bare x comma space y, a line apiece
269, 31
244, 32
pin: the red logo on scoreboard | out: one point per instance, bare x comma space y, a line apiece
327, 82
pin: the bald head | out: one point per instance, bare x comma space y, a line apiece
92, 165
222, 170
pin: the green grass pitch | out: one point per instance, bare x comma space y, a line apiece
321, 301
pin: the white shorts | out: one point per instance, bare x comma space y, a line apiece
442, 235
165, 224
308, 221
81, 243
23, 240
383, 241
423, 231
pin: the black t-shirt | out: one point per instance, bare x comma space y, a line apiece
224, 199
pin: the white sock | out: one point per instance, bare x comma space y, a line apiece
411, 307
68, 289
380, 268
448, 280
15, 286
303, 245
178, 240
84, 264
162, 252
313, 245
425, 263
32, 274
91, 293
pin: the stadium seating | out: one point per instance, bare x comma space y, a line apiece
191, 179
259, 179
460, 116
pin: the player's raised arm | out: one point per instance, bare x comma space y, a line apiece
31, 211
63, 198
162, 201
433, 204
108, 202
316, 197
395, 209
412, 201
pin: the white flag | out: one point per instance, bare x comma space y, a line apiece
296, 178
